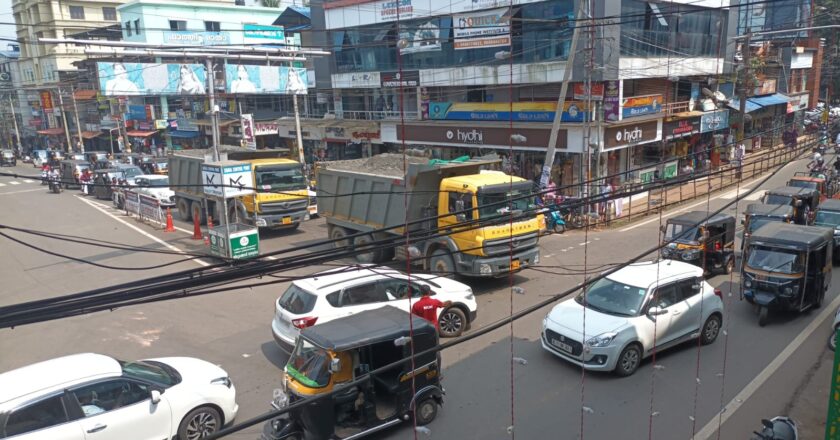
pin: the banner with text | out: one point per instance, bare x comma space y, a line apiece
265, 79
501, 111
189, 38
482, 29
248, 137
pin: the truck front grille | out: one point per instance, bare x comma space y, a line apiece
284, 207
504, 245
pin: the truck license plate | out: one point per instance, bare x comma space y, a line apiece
287, 220
514, 265
561, 345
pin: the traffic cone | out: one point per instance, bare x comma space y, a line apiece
209, 227
196, 227
170, 227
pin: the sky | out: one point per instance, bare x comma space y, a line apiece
6, 31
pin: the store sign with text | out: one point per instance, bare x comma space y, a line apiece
406, 78
712, 121
500, 137
258, 33
370, 136
680, 128
188, 38
266, 128
628, 135
574, 111
641, 106
482, 29
595, 91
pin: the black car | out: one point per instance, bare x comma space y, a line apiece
7, 157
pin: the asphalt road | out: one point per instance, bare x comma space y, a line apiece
553, 399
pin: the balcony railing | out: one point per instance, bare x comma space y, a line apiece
671, 108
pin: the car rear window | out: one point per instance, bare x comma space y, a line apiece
296, 300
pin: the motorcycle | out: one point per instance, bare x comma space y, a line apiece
45, 176
777, 428
54, 184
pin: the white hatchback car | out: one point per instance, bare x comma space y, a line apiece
630, 313
94, 397
347, 290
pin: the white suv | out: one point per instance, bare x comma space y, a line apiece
156, 186
344, 291
632, 311
94, 397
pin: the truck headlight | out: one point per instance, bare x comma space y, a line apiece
261, 222
748, 282
602, 340
485, 269
281, 399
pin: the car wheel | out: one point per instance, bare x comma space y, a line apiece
339, 236
371, 256
426, 411
762, 316
628, 360
452, 322
442, 264
710, 330
199, 423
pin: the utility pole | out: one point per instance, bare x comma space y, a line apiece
213, 113
14, 120
76, 114
742, 99
561, 102
301, 156
64, 118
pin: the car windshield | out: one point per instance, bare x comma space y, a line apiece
280, 177
152, 371
492, 203
681, 232
614, 298
776, 199
774, 260
132, 172
309, 365
803, 184
159, 183
827, 218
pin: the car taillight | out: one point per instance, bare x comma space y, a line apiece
302, 323
719, 293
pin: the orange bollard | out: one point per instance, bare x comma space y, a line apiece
196, 226
170, 227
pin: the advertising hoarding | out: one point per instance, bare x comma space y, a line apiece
482, 29
137, 79
641, 105
265, 79
189, 38
425, 36
574, 111
236, 178
248, 136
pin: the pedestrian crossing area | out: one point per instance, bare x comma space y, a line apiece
750, 197
15, 182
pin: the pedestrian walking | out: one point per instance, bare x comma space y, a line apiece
740, 151
426, 307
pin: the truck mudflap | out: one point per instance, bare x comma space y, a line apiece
472, 265
279, 220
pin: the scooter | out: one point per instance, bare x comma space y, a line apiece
55, 185
777, 428
554, 220
45, 177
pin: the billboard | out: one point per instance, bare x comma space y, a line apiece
263, 34
248, 136
124, 79
641, 105
241, 78
574, 111
482, 29
424, 36
189, 38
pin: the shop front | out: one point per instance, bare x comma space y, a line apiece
624, 147
714, 145
766, 120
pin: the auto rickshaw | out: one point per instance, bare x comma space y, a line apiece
708, 243
803, 200
787, 267
828, 215
803, 180
341, 358
759, 214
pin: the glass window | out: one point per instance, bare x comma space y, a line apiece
461, 202
177, 25
77, 12
280, 177
774, 260
108, 396
492, 203
666, 296
137, 26
128, 28
296, 300
39, 415
827, 218
777, 199
309, 365
397, 289
364, 294
152, 371
681, 232
212, 26
614, 298
109, 14
685, 289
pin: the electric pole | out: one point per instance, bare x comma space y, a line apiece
14, 120
76, 114
742, 100
64, 118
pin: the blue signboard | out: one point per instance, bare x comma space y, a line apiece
135, 112
495, 111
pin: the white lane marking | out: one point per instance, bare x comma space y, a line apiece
768, 371
585, 243
656, 219
14, 182
2, 184
142, 232
734, 193
754, 196
28, 181
18, 192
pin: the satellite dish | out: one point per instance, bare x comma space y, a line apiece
707, 92
718, 96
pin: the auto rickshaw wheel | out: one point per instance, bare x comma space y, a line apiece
426, 411
762, 316
832, 340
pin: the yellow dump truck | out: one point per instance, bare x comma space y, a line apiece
363, 196
280, 201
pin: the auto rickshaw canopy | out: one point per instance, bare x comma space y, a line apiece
797, 193
702, 219
367, 328
792, 236
763, 209
830, 205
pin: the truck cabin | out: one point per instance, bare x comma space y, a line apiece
486, 195
271, 176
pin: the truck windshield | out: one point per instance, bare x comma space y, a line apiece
803, 184
827, 218
280, 178
309, 365
503, 202
776, 199
681, 232
774, 260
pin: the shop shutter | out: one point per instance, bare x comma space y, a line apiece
652, 86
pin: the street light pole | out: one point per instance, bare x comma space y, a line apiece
746, 73
14, 120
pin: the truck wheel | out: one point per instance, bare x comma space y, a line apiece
762, 316
372, 256
338, 235
196, 207
184, 212
442, 264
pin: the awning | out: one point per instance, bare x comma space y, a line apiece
84, 95
182, 134
142, 134
51, 132
768, 100
91, 134
750, 106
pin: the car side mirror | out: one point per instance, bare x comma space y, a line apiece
335, 365
155, 395
656, 311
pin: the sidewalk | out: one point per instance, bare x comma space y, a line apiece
649, 202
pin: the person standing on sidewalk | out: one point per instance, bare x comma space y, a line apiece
740, 152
